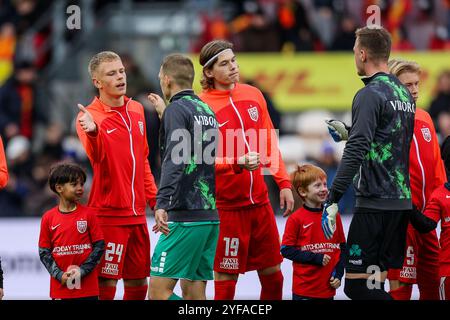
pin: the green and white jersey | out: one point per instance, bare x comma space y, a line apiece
376, 156
188, 142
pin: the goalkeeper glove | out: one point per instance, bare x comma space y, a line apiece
338, 130
329, 219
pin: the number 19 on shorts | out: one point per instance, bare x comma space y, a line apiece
231, 246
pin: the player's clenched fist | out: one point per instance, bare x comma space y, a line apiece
86, 120
250, 161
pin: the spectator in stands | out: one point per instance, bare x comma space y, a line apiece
7, 41
345, 38
19, 184
27, 16
294, 27
21, 103
440, 106
253, 30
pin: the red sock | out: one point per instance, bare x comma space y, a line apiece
224, 290
135, 293
401, 293
107, 293
271, 286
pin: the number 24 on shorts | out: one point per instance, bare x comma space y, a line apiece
113, 249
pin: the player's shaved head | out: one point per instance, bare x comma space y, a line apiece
180, 69
99, 58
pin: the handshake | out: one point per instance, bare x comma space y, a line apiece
338, 130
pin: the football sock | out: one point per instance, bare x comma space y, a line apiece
173, 296
271, 286
107, 293
135, 293
357, 289
224, 290
402, 293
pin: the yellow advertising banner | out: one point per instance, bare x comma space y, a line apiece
323, 80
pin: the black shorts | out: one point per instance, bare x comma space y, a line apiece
376, 238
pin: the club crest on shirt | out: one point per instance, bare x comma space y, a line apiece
426, 134
141, 127
82, 226
253, 112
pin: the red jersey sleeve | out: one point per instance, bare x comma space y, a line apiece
44, 235
433, 208
291, 231
3, 167
274, 160
95, 232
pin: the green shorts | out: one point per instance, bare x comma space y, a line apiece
187, 252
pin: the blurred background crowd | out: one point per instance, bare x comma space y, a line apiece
43, 70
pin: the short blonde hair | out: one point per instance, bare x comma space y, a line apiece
399, 66
104, 56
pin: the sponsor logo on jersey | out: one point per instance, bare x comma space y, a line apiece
408, 272
307, 225
447, 219
82, 226
321, 247
206, 121
71, 249
356, 262
230, 264
253, 112
426, 134
141, 127
111, 269
355, 251
222, 124
399, 105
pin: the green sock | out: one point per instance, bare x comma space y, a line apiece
175, 297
